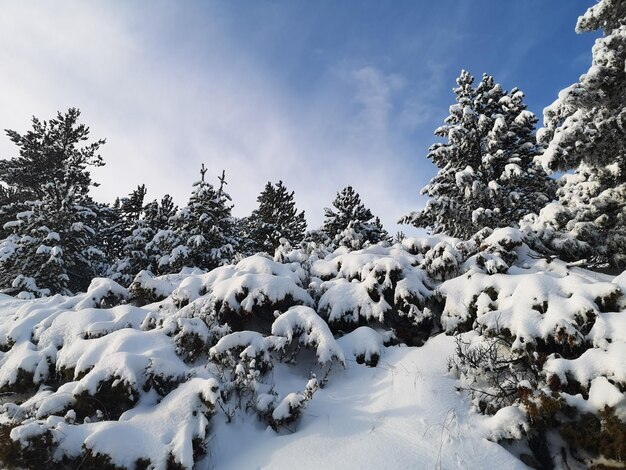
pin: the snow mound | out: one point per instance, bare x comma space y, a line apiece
303, 324
380, 285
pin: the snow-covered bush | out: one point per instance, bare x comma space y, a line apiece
365, 344
377, 285
550, 341
493, 374
146, 288
290, 408
168, 434
443, 261
301, 326
79, 372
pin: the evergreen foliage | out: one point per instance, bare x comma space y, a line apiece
202, 233
276, 217
486, 176
351, 224
50, 248
585, 130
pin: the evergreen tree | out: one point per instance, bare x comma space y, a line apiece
51, 247
486, 176
10, 205
245, 245
158, 214
134, 234
120, 221
585, 130
203, 230
276, 218
351, 224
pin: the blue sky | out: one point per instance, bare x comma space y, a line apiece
320, 94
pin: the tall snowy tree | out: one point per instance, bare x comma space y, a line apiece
276, 218
202, 234
585, 130
487, 177
51, 245
351, 224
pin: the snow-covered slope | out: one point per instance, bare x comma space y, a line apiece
319, 363
403, 413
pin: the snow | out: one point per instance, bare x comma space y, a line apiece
404, 413
364, 343
305, 324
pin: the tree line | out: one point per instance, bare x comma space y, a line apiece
494, 170
54, 238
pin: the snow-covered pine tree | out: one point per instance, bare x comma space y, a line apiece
141, 249
246, 246
204, 229
486, 176
351, 224
158, 214
120, 221
10, 205
51, 247
585, 130
276, 218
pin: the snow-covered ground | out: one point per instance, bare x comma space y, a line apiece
403, 413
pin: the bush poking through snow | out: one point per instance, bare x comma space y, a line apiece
492, 374
290, 408
301, 326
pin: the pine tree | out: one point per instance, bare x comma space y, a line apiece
352, 224
585, 130
202, 234
136, 232
120, 221
486, 176
158, 214
276, 218
51, 247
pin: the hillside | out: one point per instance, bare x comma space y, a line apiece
424, 354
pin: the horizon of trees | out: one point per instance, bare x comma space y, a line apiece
493, 171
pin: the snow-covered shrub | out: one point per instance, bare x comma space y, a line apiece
288, 411
365, 344
548, 234
493, 374
79, 372
301, 326
492, 251
243, 358
246, 347
245, 295
545, 305
377, 285
258, 288
102, 293
549, 341
442, 261
146, 288
168, 434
